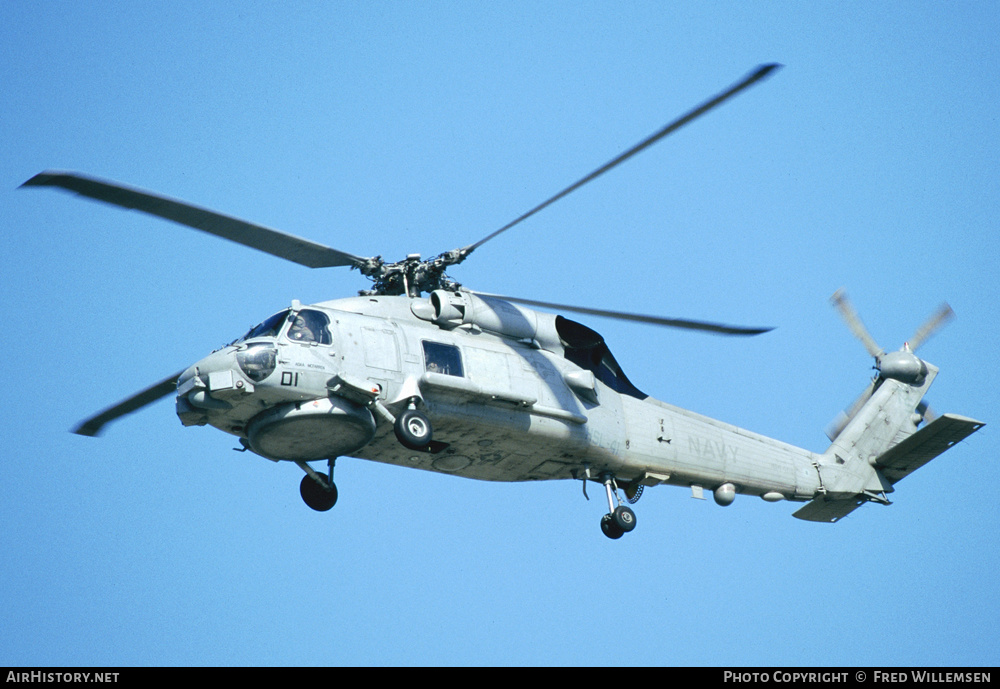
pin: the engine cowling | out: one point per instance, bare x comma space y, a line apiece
453, 309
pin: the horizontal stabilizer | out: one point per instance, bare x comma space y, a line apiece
896, 463
827, 510
940, 434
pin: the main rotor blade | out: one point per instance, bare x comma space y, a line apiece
940, 317
839, 300
296, 249
93, 426
716, 328
749, 80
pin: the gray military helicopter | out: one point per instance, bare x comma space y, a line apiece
481, 386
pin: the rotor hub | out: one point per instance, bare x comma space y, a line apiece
904, 366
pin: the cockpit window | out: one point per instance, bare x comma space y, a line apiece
310, 326
268, 328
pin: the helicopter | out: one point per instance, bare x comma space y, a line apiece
421, 372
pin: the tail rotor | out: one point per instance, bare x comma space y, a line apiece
839, 300
933, 324
902, 365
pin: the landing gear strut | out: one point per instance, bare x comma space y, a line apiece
318, 491
620, 519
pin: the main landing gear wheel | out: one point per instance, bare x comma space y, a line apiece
320, 498
620, 520
413, 429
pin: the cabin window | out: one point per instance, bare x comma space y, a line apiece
442, 358
310, 326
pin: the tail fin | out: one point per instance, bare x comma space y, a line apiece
880, 446
876, 443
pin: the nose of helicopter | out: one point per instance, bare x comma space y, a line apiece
209, 386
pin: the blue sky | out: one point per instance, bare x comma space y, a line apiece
869, 162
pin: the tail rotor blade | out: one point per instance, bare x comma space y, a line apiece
925, 411
839, 300
843, 418
933, 324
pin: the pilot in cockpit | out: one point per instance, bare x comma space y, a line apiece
310, 326
300, 330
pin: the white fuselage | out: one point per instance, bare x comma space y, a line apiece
507, 408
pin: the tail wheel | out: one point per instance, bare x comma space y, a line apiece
610, 527
624, 518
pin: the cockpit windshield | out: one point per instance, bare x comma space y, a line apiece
268, 328
307, 326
